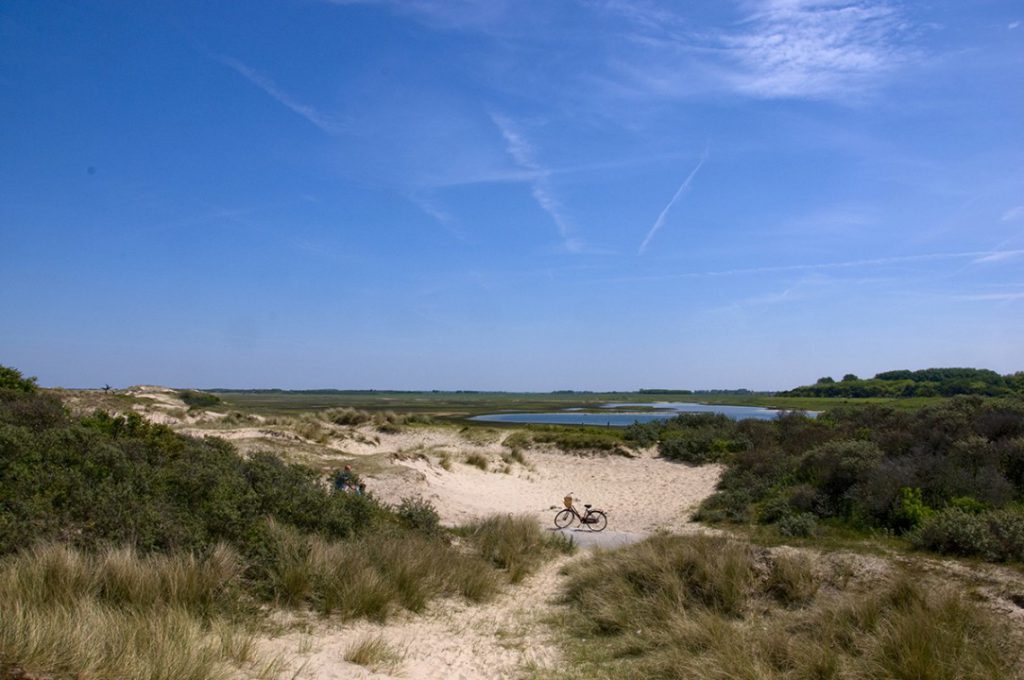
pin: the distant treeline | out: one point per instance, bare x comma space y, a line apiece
930, 382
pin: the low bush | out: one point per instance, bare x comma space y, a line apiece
418, 514
995, 535
198, 400
801, 525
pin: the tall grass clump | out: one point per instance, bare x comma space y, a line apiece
372, 576
514, 544
699, 607
477, 460
118, 614
375, 653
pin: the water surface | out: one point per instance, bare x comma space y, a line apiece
660, 410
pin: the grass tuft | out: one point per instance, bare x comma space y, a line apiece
375, 653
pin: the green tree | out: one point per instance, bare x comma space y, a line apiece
11, 379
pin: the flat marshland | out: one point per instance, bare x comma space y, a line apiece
190, 535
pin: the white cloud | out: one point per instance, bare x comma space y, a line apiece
325, 122
999, 256
1012, 25
818, 49
807, 48
683, 188
524, 155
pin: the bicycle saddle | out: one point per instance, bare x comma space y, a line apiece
587, 506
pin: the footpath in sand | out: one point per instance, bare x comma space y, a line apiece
508, 636
452, 638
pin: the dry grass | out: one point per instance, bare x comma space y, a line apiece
375, 653
118, 615
373, 576
697, 607
515, 544
477, 460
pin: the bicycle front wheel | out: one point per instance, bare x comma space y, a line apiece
563, 519
597, 520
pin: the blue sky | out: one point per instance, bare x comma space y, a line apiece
523, 195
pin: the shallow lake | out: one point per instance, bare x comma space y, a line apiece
663, 410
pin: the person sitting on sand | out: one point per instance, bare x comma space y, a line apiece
346, 480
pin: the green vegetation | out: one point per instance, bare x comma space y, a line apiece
199, 400
702, 607
932, 382
578, 439
950, 477
129, 551
515, 544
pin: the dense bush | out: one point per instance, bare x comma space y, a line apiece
126, 481
996, 535
931, 382
875, 467
197, 399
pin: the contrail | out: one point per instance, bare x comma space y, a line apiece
679, 192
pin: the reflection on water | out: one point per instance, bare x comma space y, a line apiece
663, 411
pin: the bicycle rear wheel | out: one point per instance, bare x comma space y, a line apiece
563, 518
598, 520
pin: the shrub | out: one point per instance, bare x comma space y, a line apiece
197, 399
801, 525
909, 510
12, 379
418, 514
953, 531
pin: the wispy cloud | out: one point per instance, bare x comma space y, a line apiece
443, 217
999, 256
993, 297
524, 155
815, 48
325, 122
867, 263
1014, 213
683, 188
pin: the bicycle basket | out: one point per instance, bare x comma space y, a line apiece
567, 501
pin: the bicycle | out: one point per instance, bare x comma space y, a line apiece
595, 520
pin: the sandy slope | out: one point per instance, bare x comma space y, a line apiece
454, 639
500, 639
